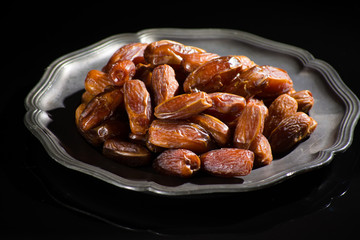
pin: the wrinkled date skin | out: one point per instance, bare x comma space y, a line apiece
216, 128
279, 82
179, 134
250, 123
96, 81
304, 99
228, 162
226, 106
108, 129
138, 106
164, 84
183, 106
168, 52
213, 75
177, 162
290, 131
127, 153
192, 61
133, 52
226, 103
100, 108
282, 107
262, 150
248, 83
122, 71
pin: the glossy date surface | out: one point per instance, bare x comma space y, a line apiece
179, 134
138, 106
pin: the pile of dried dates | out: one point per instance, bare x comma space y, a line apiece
182, 109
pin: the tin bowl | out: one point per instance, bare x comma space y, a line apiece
52, 102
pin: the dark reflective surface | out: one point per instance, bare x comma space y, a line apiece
42, 199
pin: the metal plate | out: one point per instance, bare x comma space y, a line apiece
52, 102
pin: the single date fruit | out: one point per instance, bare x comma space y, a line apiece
290, 131
228, 162
177, 162
138, 106
179, 134
250, 123
164, 84
100, 108
130, 154
183, 106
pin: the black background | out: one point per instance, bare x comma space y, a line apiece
41, 199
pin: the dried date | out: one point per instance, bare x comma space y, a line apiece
108, 129
179, 134
177, 162
279, 82
226, 106
280, 108
121, 71
168, 52
96, 81
290, 131
192, 61
304, 99
138, 106
216, 128
250, 123
248, 83
164, 84
213, 75
262, 151
133, 52
127, 153
100, 108
228, 162
183, 106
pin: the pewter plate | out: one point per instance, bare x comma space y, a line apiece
52, 102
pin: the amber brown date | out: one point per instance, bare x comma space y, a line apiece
250, 123
262, 150
78, 112
290, 131
179, 134
226, 106
248, 83
279, 82
168, 52
138, 106
100, 108
121, 71
226, 103
177, 162
304, 99
216, 128
213, 75
280, 108
96, 81
108, 129
190, 62
86, 97
133, 52
163, 83
127, 153
228, 162
183, 106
